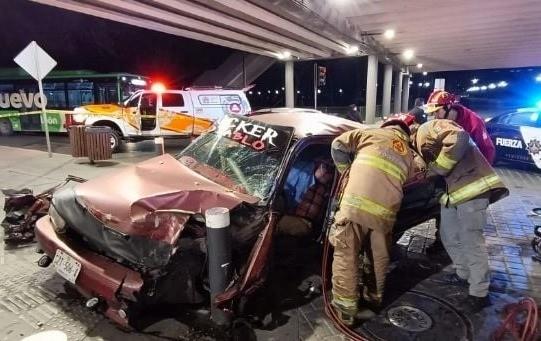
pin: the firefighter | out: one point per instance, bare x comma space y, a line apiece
444, 106
375, 163
472, 185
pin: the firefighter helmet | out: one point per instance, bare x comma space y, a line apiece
404, 121
439, 99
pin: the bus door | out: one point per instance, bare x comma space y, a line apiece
147, 111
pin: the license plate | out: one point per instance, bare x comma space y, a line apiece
66, 266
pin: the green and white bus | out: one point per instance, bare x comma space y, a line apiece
64, 90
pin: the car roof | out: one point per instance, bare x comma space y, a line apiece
308, 123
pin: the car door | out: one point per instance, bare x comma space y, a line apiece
130, 111
508, 138
175, 114
147, 111
531, 135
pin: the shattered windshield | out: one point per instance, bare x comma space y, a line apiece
241, 154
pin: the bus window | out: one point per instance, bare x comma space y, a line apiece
80, 93
107, 93
129, 85
5, 88
56, 95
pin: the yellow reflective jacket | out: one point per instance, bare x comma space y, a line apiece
449, 151
380, 161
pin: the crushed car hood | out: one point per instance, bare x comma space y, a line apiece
126, 200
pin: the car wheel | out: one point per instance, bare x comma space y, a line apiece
116, 141
6, 129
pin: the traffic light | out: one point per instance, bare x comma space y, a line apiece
322, 75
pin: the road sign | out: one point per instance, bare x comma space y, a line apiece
34, 60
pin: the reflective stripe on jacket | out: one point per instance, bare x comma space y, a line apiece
450, 152
380, 162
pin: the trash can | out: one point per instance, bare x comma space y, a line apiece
98, 143
77, 141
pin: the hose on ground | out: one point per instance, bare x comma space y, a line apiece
521, 322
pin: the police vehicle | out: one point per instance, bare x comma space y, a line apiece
517, 136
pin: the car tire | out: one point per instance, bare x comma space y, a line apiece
6, 129
116, 141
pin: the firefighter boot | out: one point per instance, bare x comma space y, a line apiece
346, 314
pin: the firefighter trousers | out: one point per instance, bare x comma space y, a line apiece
349, 240
461, 233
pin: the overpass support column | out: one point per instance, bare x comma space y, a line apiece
289, 86
371, 89
397, 92
406, 94
387, 82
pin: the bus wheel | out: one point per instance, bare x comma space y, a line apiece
5, 127
116, 141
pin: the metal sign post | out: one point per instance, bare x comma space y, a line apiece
34, 60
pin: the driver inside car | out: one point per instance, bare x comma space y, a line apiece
305, 209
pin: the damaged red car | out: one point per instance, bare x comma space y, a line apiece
136, 237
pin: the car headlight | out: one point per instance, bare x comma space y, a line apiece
59, 224
79, 118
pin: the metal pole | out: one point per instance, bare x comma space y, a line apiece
315, 85
159, 145
289, 86
43, 101
219, 258
387, 82
371, 89
44, 117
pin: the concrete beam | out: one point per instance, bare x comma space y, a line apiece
387, 85
149, 24
397, 92
222, 19
290, 84
406, 92
371, 89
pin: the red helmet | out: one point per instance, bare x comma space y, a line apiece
402, 120
438, 99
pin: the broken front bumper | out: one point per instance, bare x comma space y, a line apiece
114, 284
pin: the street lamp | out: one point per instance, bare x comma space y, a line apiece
408, 54
419, 65
351, 50
389, 34
425, 73
474, 81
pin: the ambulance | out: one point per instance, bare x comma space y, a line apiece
161, 112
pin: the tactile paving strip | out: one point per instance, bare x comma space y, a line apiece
33, 299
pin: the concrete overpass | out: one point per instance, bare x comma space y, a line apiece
451, 35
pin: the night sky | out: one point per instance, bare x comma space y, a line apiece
79, 41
